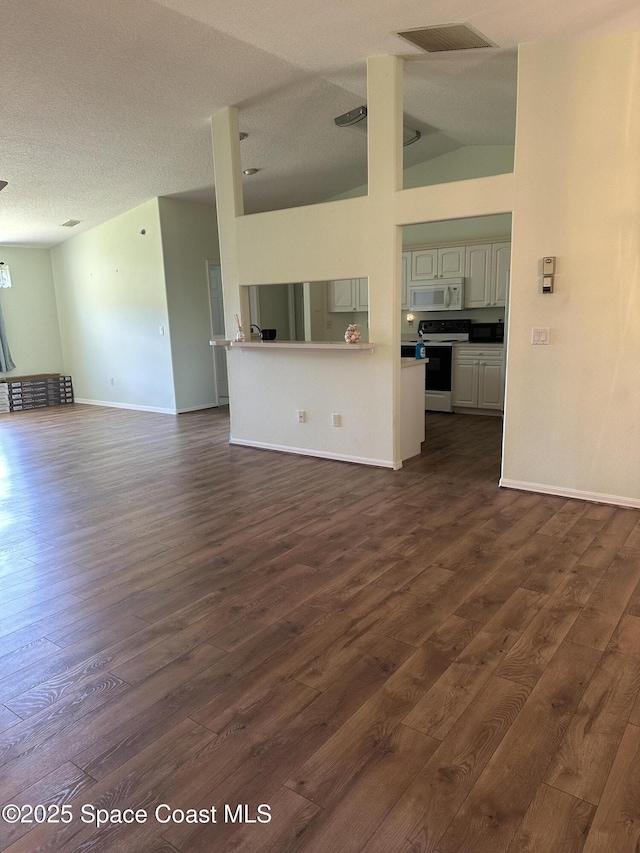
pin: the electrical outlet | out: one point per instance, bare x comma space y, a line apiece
302, 416
336, 419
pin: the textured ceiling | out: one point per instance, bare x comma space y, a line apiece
105, 105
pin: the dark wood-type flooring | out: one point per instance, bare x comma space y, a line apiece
393, 662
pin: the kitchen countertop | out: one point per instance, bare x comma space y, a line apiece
477, 345
412, 362
306, 345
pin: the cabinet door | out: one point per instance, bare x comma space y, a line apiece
341, 295
464, 388
424, 264
362, 294
451, 262
477, 292
500, 268
491, 384
406, 275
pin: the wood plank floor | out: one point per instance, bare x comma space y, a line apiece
393, 662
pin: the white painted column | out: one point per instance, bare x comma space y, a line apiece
384, 238
230, 206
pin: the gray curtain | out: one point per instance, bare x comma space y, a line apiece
6, 362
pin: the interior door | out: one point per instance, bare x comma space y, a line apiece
216, 302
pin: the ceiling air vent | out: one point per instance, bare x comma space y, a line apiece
71, 222
447, 37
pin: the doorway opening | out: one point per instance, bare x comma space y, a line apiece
456, 279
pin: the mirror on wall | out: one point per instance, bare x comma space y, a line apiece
310, 310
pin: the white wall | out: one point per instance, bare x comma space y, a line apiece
274, 309
30, 312
473, 229
354, 238
111, 299
189, 238
270, 387
573, 407
471, 161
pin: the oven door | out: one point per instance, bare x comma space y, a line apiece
438, 379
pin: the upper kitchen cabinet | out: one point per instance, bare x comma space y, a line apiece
446, 262
406, 277
348, 294
500, 270
487, 277
478, 279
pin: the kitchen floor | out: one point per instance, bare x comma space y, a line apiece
462, 444
333, 657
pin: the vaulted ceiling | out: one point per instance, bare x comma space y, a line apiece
105, 105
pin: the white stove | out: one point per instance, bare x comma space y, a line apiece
440, 336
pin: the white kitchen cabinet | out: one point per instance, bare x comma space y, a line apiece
348, 295
406, 276
487, 278
491, 384
500, 268
362, 294
477, 286
424, 264
464, 384
340, 295
478, 377
446, 262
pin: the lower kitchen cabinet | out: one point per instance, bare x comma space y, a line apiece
478, 377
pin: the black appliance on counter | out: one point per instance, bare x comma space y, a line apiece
487, 333
438, 336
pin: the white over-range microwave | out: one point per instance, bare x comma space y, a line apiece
444, 295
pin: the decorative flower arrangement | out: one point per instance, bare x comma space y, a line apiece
353, 334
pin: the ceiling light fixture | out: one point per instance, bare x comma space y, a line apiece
357, 119
71, 223
243, 136
251, 171
2, 184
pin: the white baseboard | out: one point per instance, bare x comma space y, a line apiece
111, 405
197, 408
321, 454
595, 497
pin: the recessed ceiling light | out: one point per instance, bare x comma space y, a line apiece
243, 135
70, 223
250, 171
2, 184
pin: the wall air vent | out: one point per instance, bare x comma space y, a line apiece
70, 223
447, 37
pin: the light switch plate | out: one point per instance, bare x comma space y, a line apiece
540, 336
548, 265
